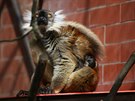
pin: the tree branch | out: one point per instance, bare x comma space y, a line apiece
120, 78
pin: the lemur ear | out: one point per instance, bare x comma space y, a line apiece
27, 20
58, 16
27, 16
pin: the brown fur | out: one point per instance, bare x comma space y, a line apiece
73, 44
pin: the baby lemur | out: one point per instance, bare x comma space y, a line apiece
71, 51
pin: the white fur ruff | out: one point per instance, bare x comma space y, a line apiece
58, 17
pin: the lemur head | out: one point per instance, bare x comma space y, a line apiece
44, 18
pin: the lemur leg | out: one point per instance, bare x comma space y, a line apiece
60, 77
85, 79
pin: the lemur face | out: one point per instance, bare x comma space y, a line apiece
44, 17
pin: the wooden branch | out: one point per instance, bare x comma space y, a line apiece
34, 9
120, 78
15, 14
33, 21
40, 4
41, 65
37, 78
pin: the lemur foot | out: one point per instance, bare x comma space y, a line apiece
45, 90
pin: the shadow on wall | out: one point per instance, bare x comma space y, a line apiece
16, 19
12, 69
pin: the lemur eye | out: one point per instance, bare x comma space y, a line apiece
49, 15
36, 15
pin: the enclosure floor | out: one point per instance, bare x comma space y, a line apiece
128, 95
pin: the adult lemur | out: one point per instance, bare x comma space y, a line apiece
71, 50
